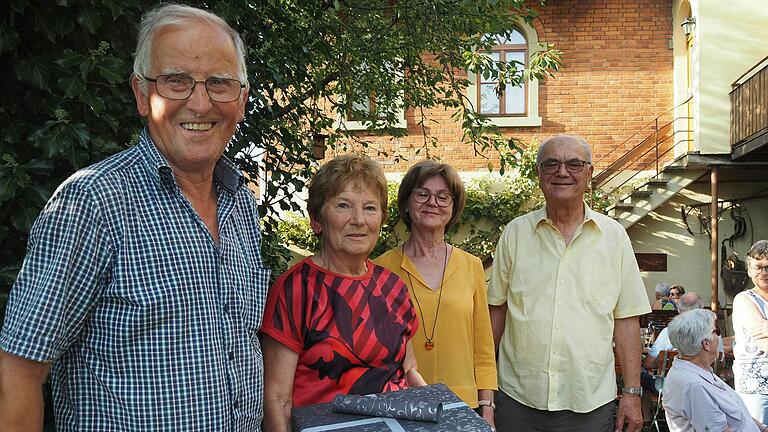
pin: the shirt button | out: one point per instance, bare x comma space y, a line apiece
557, 326
226, 308
231, 355
236, 404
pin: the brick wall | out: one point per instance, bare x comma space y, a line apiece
617, 77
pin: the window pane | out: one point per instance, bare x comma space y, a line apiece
364, 105
514, 100
516, 38
489, 102
516, 55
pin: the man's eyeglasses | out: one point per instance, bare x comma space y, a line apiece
442, 198
572, 166
716, 331
180, 87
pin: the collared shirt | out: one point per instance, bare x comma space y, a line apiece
696, 400
556, 352
150, 325
463, 352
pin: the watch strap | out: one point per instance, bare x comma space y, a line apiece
485, 402
632, 391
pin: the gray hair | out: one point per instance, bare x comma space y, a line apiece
689, 301
662, 289
555, 139
689, 329
758, 251
170, 14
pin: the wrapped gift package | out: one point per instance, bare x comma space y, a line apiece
430, 408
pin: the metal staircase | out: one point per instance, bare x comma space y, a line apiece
648, 174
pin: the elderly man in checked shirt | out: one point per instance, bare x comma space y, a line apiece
143, 288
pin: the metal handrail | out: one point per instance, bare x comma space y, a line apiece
655, 161
659, 135
654, 121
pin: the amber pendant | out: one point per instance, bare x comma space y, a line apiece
429, 345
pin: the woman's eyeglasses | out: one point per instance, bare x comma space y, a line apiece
442, 198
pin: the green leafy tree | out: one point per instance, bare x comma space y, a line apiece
66, 101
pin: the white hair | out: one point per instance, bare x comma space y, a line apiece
177, 15
662, 289
584, 144
689, 301
689, 329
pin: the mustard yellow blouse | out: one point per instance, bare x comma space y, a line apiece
463, 352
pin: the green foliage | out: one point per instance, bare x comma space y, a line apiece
67, 103
491, 203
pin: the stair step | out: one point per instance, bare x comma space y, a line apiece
658, 182
641, 193
620, 206
674, 168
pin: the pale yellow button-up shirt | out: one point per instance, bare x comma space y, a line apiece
556, 352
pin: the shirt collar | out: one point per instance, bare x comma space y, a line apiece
540, 217
707, 375
225, 173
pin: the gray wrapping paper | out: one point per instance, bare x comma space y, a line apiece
385, 405
456, 415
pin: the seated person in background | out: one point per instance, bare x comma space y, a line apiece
662, 298
695, 399
688, 301
675, 292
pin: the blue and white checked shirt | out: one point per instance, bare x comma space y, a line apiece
149, 324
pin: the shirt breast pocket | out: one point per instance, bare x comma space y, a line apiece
599, 287
253, 296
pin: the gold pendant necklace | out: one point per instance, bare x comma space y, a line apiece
429, 344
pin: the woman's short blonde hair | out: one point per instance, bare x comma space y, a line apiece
334, 176
418, 174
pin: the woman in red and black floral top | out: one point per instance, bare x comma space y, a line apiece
336, 323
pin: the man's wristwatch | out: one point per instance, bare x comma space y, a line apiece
632, 391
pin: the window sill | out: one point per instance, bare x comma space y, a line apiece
532, 121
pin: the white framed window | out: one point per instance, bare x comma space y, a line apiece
516, 106
345, 120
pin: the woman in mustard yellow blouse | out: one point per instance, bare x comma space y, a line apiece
454, 344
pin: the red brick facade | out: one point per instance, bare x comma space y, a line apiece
616, 77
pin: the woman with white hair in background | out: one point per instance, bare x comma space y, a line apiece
750, 348
695, 399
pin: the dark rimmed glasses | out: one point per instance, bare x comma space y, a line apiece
716, 331
442, 198
180, 87
571, 165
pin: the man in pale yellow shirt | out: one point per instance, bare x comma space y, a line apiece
565, 286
